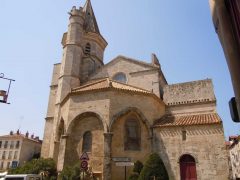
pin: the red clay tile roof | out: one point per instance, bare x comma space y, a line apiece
186, 120
106, 83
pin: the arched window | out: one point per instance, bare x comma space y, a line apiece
132, 135
87, 142
88, 48
120, 77
188, 167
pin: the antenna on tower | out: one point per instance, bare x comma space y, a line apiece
20, 122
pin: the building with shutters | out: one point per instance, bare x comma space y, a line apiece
125, 110
17, 148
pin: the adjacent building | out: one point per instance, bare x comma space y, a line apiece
234, 156
17, 148
125, 110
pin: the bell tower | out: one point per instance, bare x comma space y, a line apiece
83, 50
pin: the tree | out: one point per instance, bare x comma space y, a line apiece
71, 172
154, 168
37, 166
76, 173
138, 165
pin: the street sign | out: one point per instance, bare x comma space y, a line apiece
121, 159
124, 164
84, 165
84, 157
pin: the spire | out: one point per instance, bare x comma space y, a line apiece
90, 24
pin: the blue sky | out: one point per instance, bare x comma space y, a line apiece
179, 32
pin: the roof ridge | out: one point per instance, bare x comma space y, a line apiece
130, 86
186, 120
133, 60
87, 85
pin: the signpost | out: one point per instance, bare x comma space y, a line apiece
123, 162
84, 162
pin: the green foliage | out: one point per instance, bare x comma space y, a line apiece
133, 176
37, 166
154, 167
71, 172
138, 165
75, 173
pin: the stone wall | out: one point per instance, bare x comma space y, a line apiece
189, 92
118, 146
75, 140
204, 142
234, 153
138, 74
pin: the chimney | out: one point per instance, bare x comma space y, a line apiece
36, 138
32, 136
18, 132
11, 132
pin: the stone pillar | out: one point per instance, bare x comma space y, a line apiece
61, 155
107, 156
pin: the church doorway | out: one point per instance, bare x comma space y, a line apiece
188, 168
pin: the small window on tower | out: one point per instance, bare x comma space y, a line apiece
184, 135
87, 49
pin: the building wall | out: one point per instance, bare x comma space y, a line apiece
28, 149
234, 153
189, 92
138, 74
117, 148
22, 153
204, 142
75, 142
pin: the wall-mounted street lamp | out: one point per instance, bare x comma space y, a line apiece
4, 93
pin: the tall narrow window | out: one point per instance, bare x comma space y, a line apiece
87, 49
15, 155
87, 142
6, 144
0, 144
17, 144
1, 165
184, 135
11, 144
132, 135
10, 155
4, 155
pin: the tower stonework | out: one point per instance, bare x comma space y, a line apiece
83, 50
125, 110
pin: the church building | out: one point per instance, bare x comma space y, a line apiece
126, 110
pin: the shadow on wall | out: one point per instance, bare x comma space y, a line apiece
162, 151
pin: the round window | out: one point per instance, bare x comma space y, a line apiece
120, 77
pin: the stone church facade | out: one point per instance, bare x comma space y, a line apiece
125, 109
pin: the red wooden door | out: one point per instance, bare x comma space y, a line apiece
188, 168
